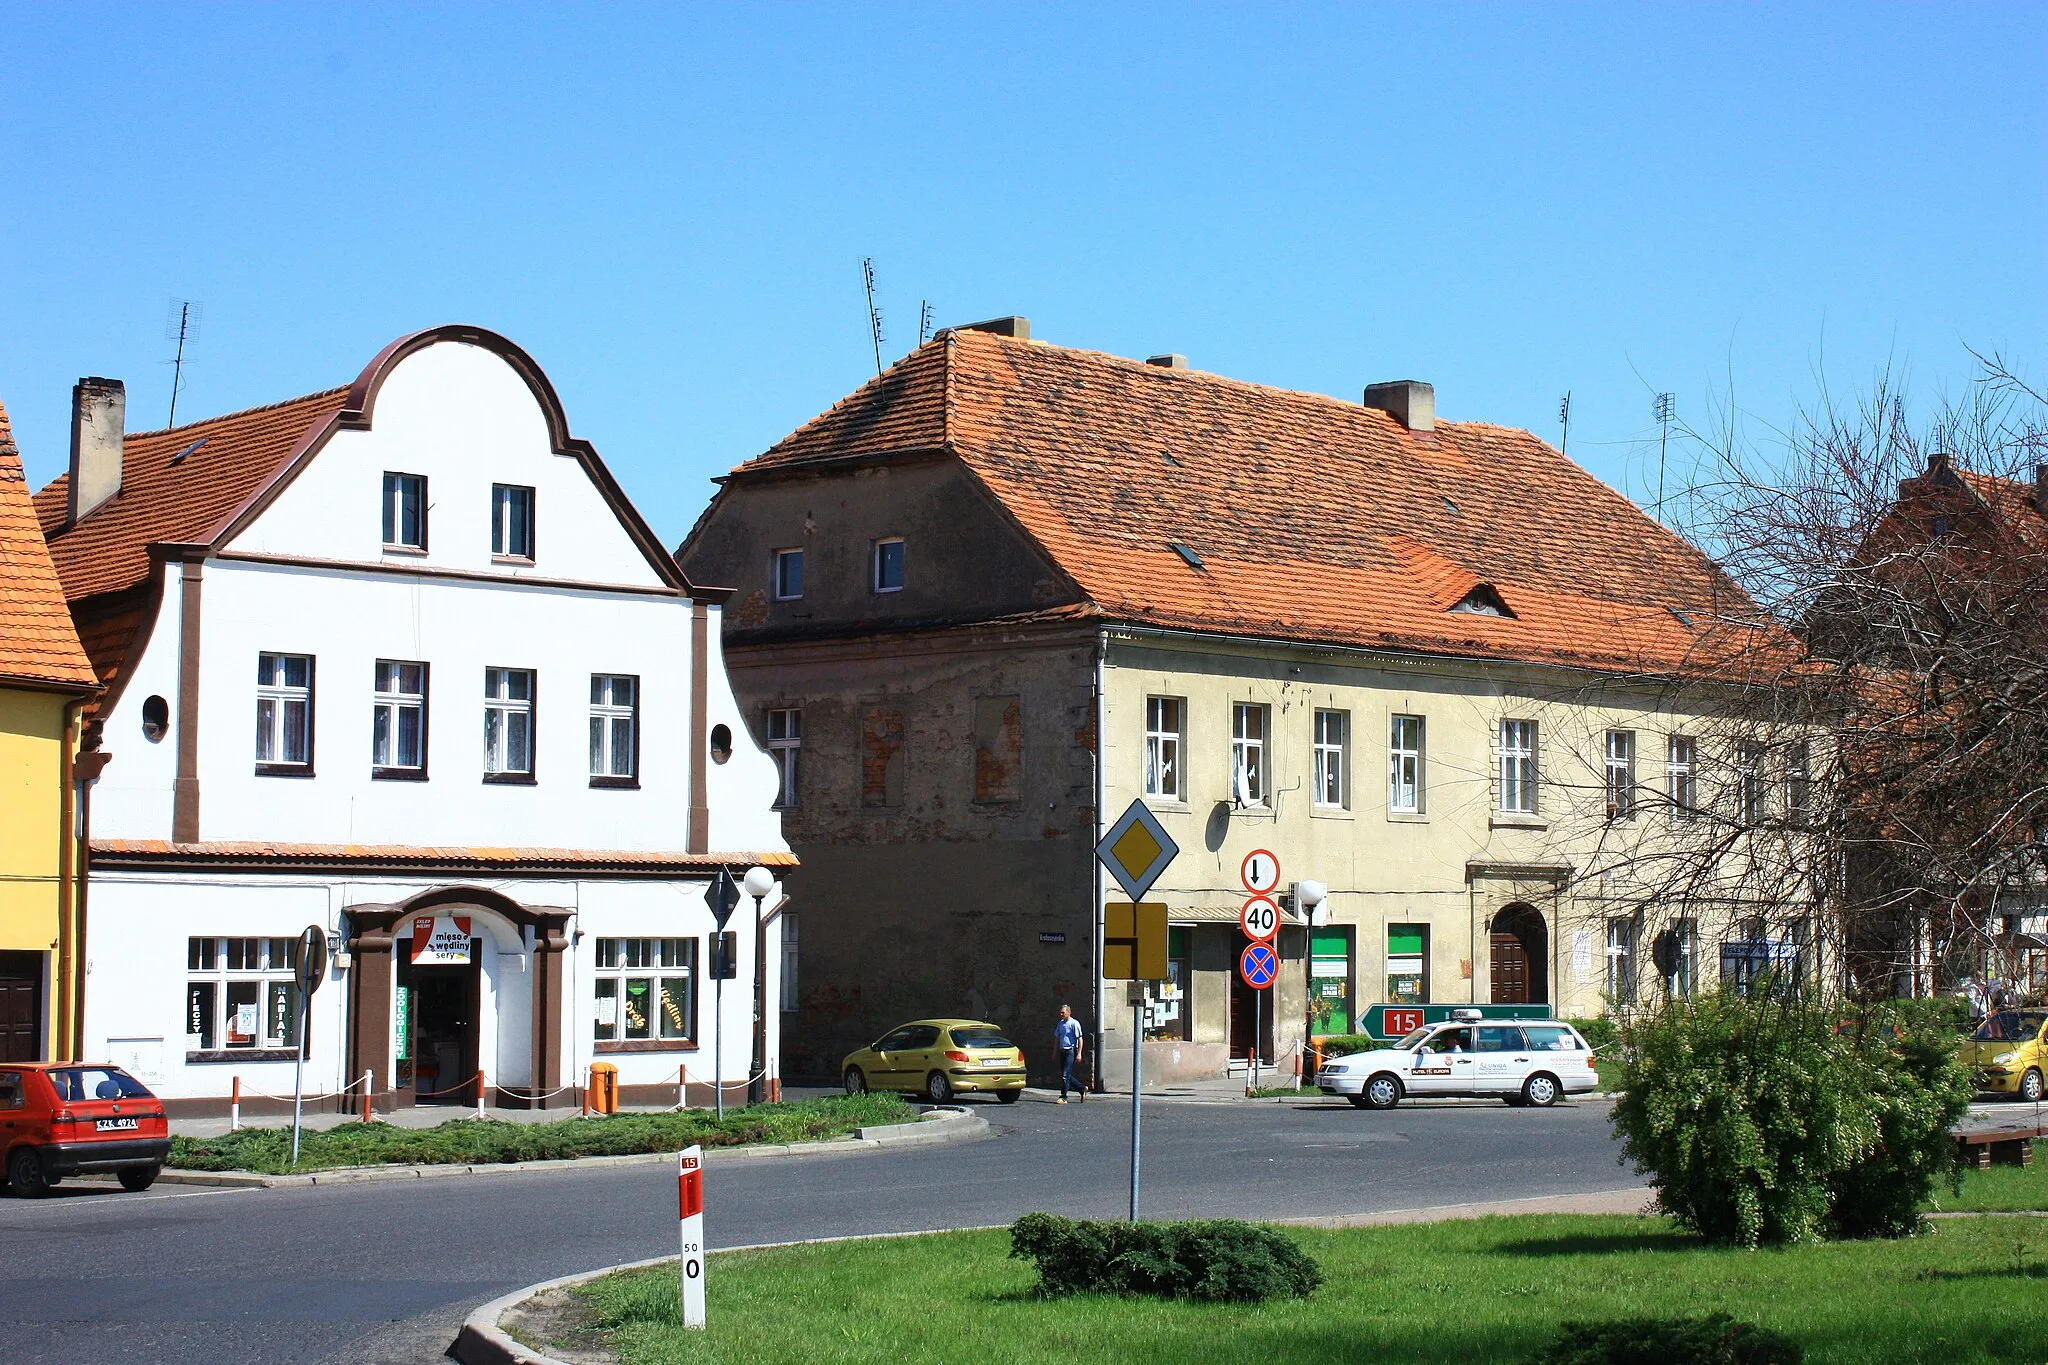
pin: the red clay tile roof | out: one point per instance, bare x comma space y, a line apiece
2012, 502
1315, 519
37, 641
162, 501
292, 856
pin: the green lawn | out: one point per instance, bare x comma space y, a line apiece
1488, 1290
2002, 1187
469, 1141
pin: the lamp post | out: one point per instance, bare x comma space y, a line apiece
1308, 900
758, 883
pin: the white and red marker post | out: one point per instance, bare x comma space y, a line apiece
690, 1212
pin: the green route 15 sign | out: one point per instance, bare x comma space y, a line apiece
1397, 1021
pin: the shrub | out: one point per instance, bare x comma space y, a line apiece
1713, 1340
1221, 1259
1759, 1122
1947, 1014
1344, 1044
1598, 1032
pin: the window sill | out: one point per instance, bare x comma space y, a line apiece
616, 783
508, 779
1168, 805
398, 774
1258, 812
284, 770
1408, 817
417, 551
516, 561
1503, 819
1330, 813
212, 1056
615, 1046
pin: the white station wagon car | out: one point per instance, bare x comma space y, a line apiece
1523, 1061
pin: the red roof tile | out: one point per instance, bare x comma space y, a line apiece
1315, 519
37, 641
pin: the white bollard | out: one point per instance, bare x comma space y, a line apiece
235, 1107
690, 1212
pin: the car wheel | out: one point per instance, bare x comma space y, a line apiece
25, 1175
1009, 1096
856, 1083
1540, 1090
2030, 1085
1381, 1092
139, 1177
937, 1088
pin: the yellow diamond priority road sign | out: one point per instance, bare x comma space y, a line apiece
1136, 850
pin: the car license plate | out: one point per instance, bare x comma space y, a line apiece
116, 1125
999, 1063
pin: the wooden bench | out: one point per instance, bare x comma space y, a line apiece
1999, 1147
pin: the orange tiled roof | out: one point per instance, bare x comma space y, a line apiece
37, 641
1314, 519
165, 501
2012, 502
437, 856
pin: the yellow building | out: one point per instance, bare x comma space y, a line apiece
45, 681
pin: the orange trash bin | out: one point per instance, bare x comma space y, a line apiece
604, 1087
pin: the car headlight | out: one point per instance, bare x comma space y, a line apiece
2004, 1057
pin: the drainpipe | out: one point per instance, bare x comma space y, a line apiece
61, 1047
1095, 866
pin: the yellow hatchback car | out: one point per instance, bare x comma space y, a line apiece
2009, 1053
939, 1058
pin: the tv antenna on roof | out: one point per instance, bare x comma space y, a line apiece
1661, 410
867, 273
181, 326
1564, 422
924, 321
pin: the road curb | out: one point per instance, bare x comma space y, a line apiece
947, 1123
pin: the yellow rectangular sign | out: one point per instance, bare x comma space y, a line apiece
1134, 941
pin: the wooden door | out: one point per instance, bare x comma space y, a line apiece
21, 1007
1510, 970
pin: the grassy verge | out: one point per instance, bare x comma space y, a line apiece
1289, 1092
1487, 1290
2000, 1187
471, 1141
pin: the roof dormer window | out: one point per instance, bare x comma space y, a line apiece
1483, 601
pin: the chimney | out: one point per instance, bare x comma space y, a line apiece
1170, 361
1013, 326
1412, 402
99, 414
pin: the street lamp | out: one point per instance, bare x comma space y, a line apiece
758, 883
1309, 898
1308, 904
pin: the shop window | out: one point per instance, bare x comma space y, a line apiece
1166, 1012
646, 990
240, 993
1407, 964
1329, 982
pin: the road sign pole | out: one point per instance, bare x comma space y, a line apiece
1137, 1081
299, 1074
1258, 1030
718, 1034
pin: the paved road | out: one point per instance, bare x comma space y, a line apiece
384, 1273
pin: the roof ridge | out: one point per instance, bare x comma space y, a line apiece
242, 412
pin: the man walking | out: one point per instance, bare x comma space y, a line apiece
1067, 1033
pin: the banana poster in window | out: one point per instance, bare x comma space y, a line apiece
440, 941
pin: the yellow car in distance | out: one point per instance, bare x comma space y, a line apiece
939, 1058
2008, 1054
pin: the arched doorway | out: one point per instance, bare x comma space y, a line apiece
1520, 957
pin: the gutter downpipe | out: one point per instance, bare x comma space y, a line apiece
62, 1033
1095, 866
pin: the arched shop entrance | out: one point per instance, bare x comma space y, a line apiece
454, 982
1520, 957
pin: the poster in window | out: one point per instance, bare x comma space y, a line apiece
440, 941
242, 1025
199, 1014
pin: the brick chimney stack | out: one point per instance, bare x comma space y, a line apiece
99, 418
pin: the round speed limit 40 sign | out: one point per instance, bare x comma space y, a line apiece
1260, 918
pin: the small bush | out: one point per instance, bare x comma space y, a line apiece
1216, 1260
1714, 1340
1946, 1014
1599, 1032
1344, 1044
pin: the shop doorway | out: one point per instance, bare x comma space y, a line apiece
1247, 1008
1520, 954
438, 1036
21, 1007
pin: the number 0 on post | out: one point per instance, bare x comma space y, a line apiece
690, 1211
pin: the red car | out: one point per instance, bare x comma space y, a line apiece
70, 1118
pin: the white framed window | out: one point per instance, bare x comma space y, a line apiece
398, 720
789, 575
1248, 753
240, 993
1165, 732
645, 990
405, 512
1749, 784
789, 954
614, 729
889, 565
1518, 767
511, 521
1682, 775
1332, 759
1798, 785
508, 724
1404, 765
284, 713
1621, 960
1685, 980
785, 746
1621, 774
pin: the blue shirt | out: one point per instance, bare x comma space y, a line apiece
1067, 1032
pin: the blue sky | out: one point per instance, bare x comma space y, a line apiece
668, 206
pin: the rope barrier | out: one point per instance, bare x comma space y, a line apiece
324, 1095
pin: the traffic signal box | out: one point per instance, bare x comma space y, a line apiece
1134, 941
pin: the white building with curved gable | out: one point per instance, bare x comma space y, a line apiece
399, 660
